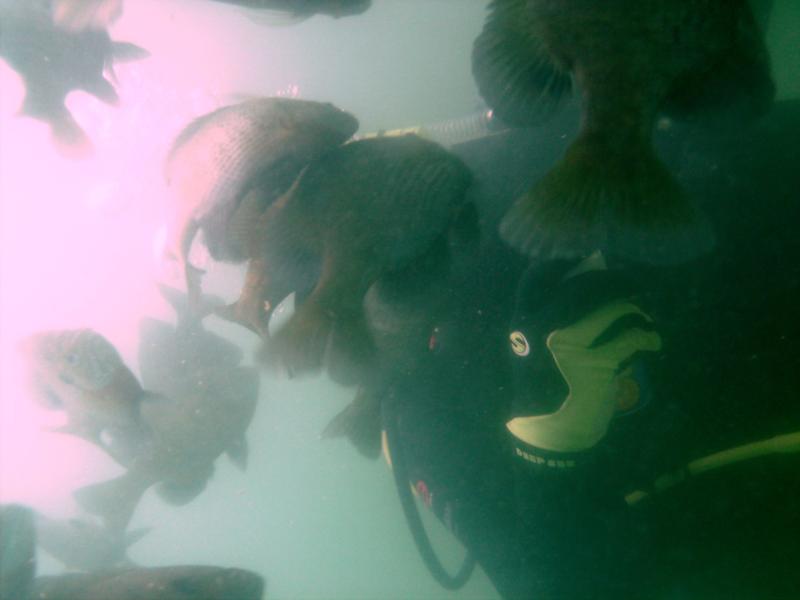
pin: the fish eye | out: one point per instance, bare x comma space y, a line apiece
72, 358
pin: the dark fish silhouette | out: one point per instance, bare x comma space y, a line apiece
226, 167
631, 59
206, 404
82, 545
365, 209
53, 62
157, 583
17, 552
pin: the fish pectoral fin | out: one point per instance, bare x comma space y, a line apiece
238, 453
126, 52
622, 201
512, 68
359, 422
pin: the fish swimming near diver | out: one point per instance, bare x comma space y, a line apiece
226, 167
17, 552
53, 62
631, 60
300, 10
365, 209
83, 545
202, 411
155, 583
79, 372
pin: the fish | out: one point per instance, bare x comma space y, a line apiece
78, 15
632, 62
203, 406
53, 62
83, 545
300, 10
402, 312
363, 210
79, 372
154, 583
170, 355
17, 552
252, 149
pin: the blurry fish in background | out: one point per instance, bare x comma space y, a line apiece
83, 545
17, 552
285, 12
256, 147
365, 209
630, 60
156, 583
81, 373
206, 405
53, 62
169, 354
77, 15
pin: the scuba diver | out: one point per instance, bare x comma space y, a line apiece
598, 429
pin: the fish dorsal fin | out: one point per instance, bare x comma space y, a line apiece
514, 72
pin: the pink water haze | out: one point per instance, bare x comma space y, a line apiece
80, 244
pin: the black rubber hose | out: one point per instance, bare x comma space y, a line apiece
402, 481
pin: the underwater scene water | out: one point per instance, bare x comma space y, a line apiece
409, 299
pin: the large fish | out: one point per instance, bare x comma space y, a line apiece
156, 583
366, 209
403, 310
80, 372
631, 60
260, 144
205, 408
53, 62
82, 545
17, 552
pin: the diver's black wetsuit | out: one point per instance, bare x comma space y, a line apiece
727, 375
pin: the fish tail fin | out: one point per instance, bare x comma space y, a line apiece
359, 422
619, 199
514, 72
70, 139
114, 500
